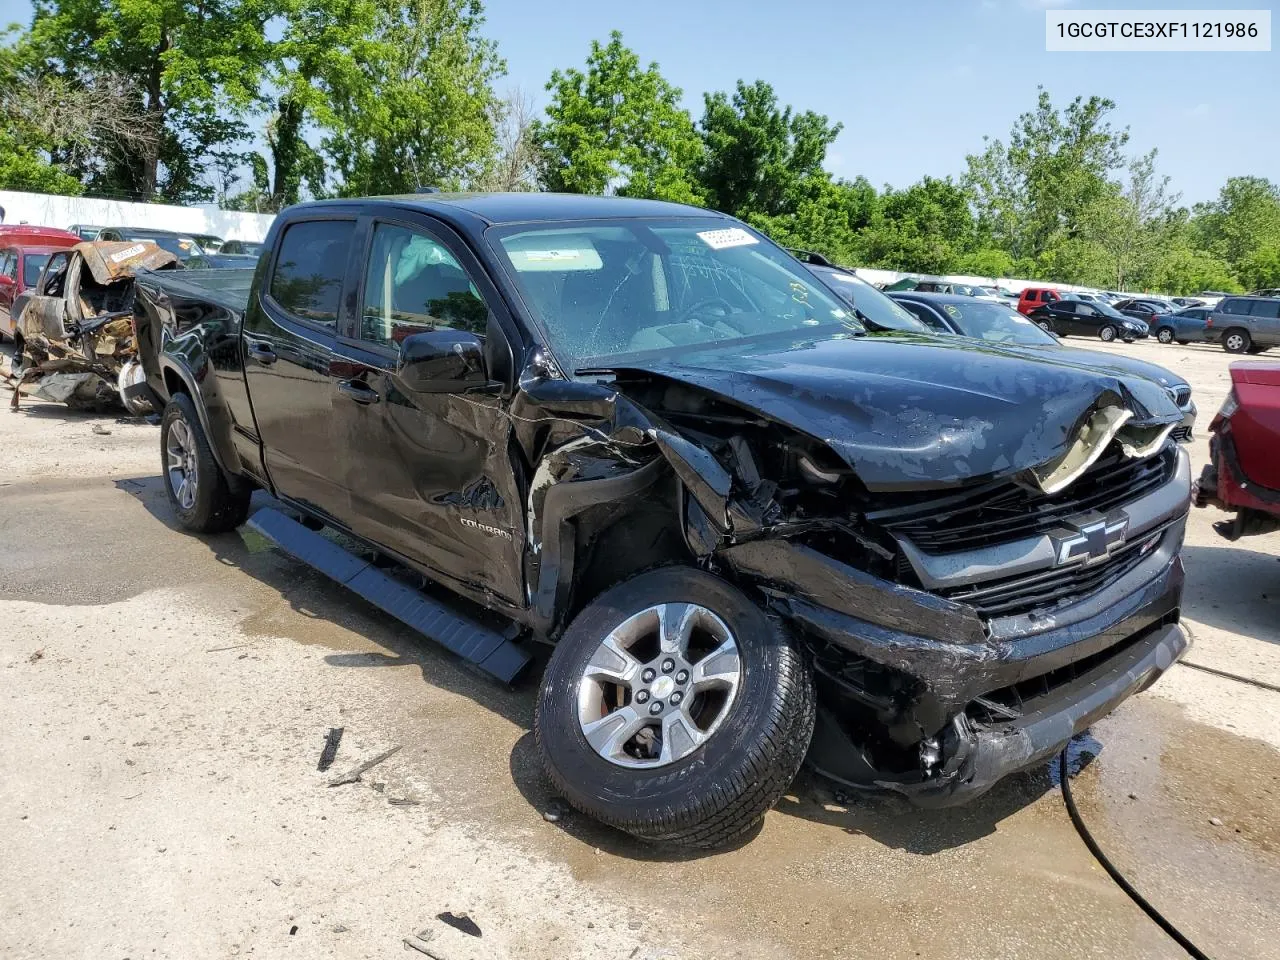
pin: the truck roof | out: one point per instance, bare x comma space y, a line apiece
500, 208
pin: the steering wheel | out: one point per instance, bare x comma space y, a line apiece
689, 312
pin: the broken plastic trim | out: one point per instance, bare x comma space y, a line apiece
1090, 442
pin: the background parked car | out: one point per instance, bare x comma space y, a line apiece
85, 231
1101, 320
23, 254
1033, 298
251, 247
996, 323
1183, 326
1188, 302
871, 308
1246, 324
182, 245
209, 243
1146, 309
220, 261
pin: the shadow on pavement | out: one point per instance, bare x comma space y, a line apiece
1235, 586
884, 818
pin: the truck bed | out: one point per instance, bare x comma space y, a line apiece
227, 288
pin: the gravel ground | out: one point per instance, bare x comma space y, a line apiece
167, 698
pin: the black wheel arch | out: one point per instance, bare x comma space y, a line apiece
214, 420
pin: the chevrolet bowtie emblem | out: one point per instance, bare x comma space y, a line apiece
1092, 542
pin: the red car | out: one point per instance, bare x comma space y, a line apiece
23, 254
1244, 473
1033, 298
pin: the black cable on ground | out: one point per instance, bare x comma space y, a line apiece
1191, 949
1262, 684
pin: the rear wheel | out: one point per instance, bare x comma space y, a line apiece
673, 708
203, 498
1044, 326
1236, 341
1107, 333
1165, 335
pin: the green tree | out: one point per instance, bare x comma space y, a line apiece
927, 227
1242, 227
617, 127
1031, 193
413, 105
192, 69
1125, 222
761, 159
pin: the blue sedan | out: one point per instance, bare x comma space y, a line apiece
1185, 326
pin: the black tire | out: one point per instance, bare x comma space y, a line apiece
1236, 340
218, 505
1183, 343
1165, 335
1044, 326
1107, 334
724, 787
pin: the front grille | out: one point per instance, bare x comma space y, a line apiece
1181, 434
1181, 395
1004, 512
1046, 589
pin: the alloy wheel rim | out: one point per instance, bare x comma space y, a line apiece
180, 464
1108, 333
1235, 341
659, 685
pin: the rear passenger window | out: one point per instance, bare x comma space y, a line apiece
1267, 309
307, 280
1234, 306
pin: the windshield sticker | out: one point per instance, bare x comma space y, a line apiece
951, 310
723, 239
555, 259
128, 253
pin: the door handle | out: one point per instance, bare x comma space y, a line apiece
359, 391
263, 353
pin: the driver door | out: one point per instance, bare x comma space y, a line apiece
428, 473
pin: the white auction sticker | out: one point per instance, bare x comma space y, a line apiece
128, 252
1146, 31
732, 237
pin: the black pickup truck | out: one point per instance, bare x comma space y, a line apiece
755, 527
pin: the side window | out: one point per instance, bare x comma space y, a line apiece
1267, 309
55, 275
307, 279
1084, 310
9, 264
1234, 306
413, 284
925, 314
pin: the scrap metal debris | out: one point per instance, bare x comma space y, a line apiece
37, 656
353, 775
331, 741
77, 327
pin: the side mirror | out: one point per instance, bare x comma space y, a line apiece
442, 361
7, 281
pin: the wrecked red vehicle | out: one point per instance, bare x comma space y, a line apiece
1243, 475
74, 333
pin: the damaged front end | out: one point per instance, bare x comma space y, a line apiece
961, 627
78, 343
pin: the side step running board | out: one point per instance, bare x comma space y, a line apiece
476, 644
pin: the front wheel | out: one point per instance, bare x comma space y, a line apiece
202, 497
1236, 341
1107, 333
1164, 335
675, 709
1045, 327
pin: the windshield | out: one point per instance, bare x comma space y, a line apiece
32, 264
874, 308
604, 290
1107, 310
995, 322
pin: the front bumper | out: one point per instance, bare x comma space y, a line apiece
954, 701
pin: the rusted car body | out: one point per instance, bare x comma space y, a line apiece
74, 331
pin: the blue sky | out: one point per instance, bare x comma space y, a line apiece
916, 83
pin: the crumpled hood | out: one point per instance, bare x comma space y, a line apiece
917, 411
1108, 362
